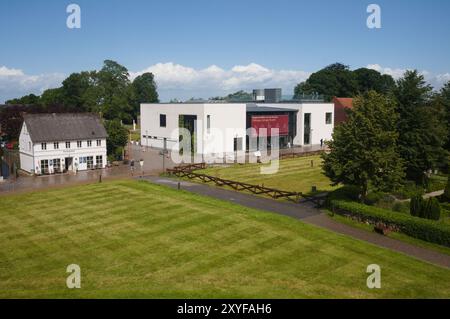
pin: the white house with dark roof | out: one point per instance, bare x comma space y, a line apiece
65, 142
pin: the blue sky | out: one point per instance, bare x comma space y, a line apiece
208, 47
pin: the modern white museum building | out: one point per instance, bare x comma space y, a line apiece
66, 142
220, 128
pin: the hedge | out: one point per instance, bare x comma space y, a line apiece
428, 230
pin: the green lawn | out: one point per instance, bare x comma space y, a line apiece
136, 239
294, 174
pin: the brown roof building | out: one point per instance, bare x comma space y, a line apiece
341, 104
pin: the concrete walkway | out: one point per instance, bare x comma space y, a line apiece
308, 214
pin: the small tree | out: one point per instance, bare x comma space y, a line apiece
433, 209
416, 205
117, 138
446, 195
363, 150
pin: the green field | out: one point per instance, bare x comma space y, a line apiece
294, 174
136, 239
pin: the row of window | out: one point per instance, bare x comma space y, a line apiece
69, 144
56, 163
163, 120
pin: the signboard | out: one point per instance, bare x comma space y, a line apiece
281, 122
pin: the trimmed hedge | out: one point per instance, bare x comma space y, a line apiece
424, 229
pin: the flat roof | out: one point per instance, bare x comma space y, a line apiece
263, 109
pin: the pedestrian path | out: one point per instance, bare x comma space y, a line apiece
308, 214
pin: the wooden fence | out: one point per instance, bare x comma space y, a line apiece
187, 171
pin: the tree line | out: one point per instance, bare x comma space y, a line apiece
108, 92
338, 80
392, 136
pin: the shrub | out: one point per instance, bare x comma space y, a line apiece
401, 207
416, 206
409, 190
424, 229
446, 195
373, 198
433, 209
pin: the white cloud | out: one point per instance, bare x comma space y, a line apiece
187, 82
395, 73
436, 80
15, 83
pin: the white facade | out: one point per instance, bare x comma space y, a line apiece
227, 121
320, 128
58, 156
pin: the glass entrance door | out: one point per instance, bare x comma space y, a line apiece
307, 129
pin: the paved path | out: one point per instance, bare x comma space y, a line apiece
309, 214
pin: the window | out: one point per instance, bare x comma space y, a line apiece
328, 118
99, 161
90, 162
208, 123
44, 166
83, 160
89, 143
67, 144
237, 144
44, 147
57, 165
99, 142
162, 120
79, 144
56, 145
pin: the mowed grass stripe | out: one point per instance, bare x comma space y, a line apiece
136, 239
294, 174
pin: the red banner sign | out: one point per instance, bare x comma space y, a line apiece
281, 122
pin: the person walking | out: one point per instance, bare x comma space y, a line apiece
321, 142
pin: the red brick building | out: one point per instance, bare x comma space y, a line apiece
340, 105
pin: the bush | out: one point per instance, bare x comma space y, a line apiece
416, 206
433, 209
373, 198
401, 207
409, 190
424, 229
429, 209
345, 192
446, 195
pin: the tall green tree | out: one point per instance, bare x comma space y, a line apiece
29, 99
144, 91
114, 88
444, 96
422, 132
52, 97
363, 151
117, 138
333, 80
368, 79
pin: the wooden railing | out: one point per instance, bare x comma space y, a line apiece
187, 171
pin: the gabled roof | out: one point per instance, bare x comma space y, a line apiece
64, 127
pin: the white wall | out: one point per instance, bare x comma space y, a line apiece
319, 128
31, 153
225, 117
